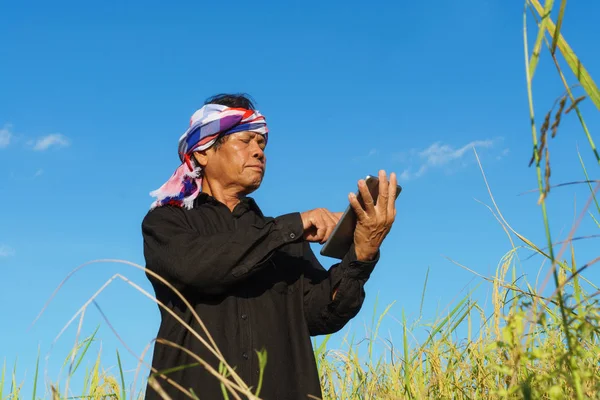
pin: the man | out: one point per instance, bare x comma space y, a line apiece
253, 280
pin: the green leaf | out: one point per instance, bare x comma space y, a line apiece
194, 395
323, 345
14, 389
561, 14
35, 377
406, 355
223, 371
95, 377
423, 293
592, 191
167, 371
262, 363
2, 377
123, 393
556, 393
537, 47
86, 345
574, 63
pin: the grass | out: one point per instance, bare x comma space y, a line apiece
534, 342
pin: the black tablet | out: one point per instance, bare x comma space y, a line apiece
342, 236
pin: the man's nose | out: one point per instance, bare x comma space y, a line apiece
258, 152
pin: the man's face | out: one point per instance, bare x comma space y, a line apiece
238, 163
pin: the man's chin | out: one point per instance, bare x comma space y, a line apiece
251, 187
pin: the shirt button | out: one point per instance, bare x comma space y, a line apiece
244, 316
245, 355
292, 235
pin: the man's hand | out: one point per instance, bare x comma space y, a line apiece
374, 222
318, 224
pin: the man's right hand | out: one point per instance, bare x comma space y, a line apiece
318, 224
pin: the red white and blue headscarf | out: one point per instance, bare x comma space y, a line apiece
206, 125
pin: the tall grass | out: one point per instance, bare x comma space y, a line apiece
536, 341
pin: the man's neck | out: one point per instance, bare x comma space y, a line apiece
230, 198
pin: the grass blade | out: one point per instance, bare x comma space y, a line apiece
35, 377
577, 110
383, 314
423, 293
223, 371
406, 355
537, 47
592, 191
123, 394
577, 290
95, 377
2, 377
86, 381
595, 220
370, 346
14, 389
88, 341
323, 346
437, 328
167, 371
574, 63
262, 363
559, 21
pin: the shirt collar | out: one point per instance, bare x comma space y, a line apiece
246, 203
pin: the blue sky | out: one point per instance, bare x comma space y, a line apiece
93, 98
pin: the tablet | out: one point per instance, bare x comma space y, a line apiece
342, 236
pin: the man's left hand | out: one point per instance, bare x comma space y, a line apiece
374, 221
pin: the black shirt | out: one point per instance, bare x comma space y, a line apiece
255, 284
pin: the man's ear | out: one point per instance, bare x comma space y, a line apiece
201, 157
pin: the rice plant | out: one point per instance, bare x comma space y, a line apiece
534, 342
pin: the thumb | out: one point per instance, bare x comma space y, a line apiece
306, 220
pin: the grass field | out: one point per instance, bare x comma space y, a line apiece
536, 342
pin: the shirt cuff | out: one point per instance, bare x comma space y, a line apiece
290, 226
358, 269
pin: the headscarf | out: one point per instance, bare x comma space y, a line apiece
206, 126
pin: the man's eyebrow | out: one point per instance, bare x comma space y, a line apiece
253, 135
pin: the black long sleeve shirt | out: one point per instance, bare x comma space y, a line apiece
256, 284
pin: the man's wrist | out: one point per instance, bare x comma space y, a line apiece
365, 254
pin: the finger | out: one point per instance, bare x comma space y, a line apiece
337, 216
311, 234
331, 223
366, 197
321, 228
384, 187
391, 204
332, 218
358, 210
306, 220
327, 234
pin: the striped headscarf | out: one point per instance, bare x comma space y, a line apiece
206, 126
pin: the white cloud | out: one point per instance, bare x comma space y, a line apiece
504, 153
39, 172
439, 155
6, 251
371, 153
55, 139
5, 136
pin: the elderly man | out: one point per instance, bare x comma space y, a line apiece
253, 280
